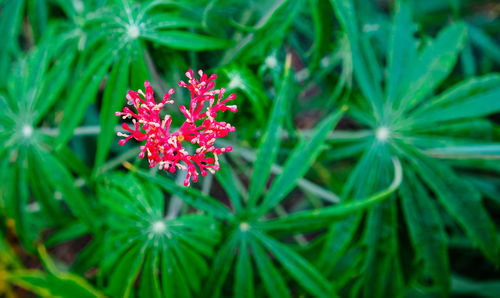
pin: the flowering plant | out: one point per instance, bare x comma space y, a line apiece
200, 127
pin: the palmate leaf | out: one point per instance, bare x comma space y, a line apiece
23, 182
235, 252
114, 33
28, 154
141, 242
255, 234
411, 122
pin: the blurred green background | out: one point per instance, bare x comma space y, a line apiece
365, 162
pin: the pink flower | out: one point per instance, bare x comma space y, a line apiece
200, 127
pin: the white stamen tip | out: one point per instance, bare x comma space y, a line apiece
159, 227
27, 130
271, 62
382, 133
235, 82
133, 31
58, 195
244, 226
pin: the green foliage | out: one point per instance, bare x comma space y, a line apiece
398, 121
364, 161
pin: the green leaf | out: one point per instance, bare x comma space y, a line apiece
433, 65
363, 181
321, 15
10, 24
221, 265
181, 40
61, 285
69, 158
463, 129
32, 280
462, 201
174, 282
83, 93
244, 285
270, 142
302, 271
190, 196
113, 100
402, 52
226, 177
475, 97
16, 199
485, 42
299, 162
68, 232
44, 193
138, 70
192, 274
60, 179
426, 231
149, 283
52, 85
37, 12
315, 219
486, 185
337, 241
382, 276
344, 9
55, 283
467, 59
245, 80
166, 20
124, 275
273, 281
468, 151
466, 287
270, 28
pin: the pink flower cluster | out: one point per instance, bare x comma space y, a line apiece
200, 127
